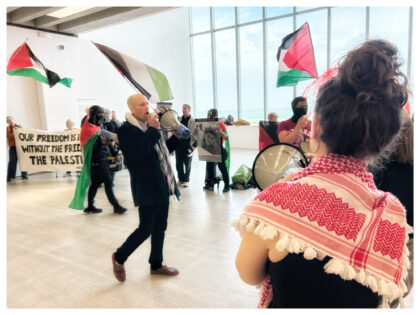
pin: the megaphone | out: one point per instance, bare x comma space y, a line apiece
169, 122
275, 162
108, 135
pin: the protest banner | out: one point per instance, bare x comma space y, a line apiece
40, 150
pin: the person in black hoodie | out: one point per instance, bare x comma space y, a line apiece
100, 172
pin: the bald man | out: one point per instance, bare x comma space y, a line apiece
152, 182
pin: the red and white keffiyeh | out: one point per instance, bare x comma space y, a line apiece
333, 208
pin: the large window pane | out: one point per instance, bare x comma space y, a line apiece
391, 24
252, 75
249, 14
223, 16
278, 99
343, 37
202, 74
304, 8
277, 11
226, 73
317, 21
200, 19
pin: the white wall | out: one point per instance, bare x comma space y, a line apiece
160, 40
34, 104
243, 137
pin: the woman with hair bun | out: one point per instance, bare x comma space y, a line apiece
325, 236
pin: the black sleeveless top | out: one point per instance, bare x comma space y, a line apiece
301, 283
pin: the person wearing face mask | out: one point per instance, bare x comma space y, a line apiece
100, 172
298, 127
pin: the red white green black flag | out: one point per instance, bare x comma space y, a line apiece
88, 137
23, 62
296, 58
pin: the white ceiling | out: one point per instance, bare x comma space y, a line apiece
77, 23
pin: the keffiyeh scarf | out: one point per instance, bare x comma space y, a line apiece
333, 208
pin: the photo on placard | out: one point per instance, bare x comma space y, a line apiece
208, 139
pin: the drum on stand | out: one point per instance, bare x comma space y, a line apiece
276, 162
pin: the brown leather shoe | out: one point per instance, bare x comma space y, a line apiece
119, 271
165, 270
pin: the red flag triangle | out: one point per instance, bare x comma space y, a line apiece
300, 55
20, 58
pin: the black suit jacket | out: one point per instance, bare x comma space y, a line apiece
147, 180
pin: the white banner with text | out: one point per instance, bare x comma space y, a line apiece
40, 150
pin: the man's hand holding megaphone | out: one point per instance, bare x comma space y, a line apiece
153, 120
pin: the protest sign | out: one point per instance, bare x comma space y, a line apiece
40, 150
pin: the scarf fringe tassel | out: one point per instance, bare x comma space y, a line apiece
388, 289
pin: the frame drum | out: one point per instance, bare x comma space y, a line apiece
275, 162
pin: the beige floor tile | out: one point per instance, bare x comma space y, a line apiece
61, 258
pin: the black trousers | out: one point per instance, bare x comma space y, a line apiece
153, 222
211, 173
101, 174
11, 167
183, 160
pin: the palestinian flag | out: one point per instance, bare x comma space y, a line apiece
268, 134
88, 137
227, 148
296, 58
23, 62
145, 79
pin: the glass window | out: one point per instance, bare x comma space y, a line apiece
343, 40
318, 27
226, 73
304, 8
251, 69
202, 74
391, 24
200, 19
277, 11
278, 98
223, 16
249, 14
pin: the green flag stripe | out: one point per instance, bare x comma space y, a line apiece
161, 83
35, 74
291, 77
84, 178
66, 81
227, 148
29, 72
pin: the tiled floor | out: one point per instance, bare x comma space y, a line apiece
61, 258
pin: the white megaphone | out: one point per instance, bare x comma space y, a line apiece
169, 122
275, 162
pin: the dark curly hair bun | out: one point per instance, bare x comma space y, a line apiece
371, 74
359, 109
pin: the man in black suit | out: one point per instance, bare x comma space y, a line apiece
152, 182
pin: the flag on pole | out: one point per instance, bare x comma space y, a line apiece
23, 62
296, 58
150, 82
267, 134
88, 136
